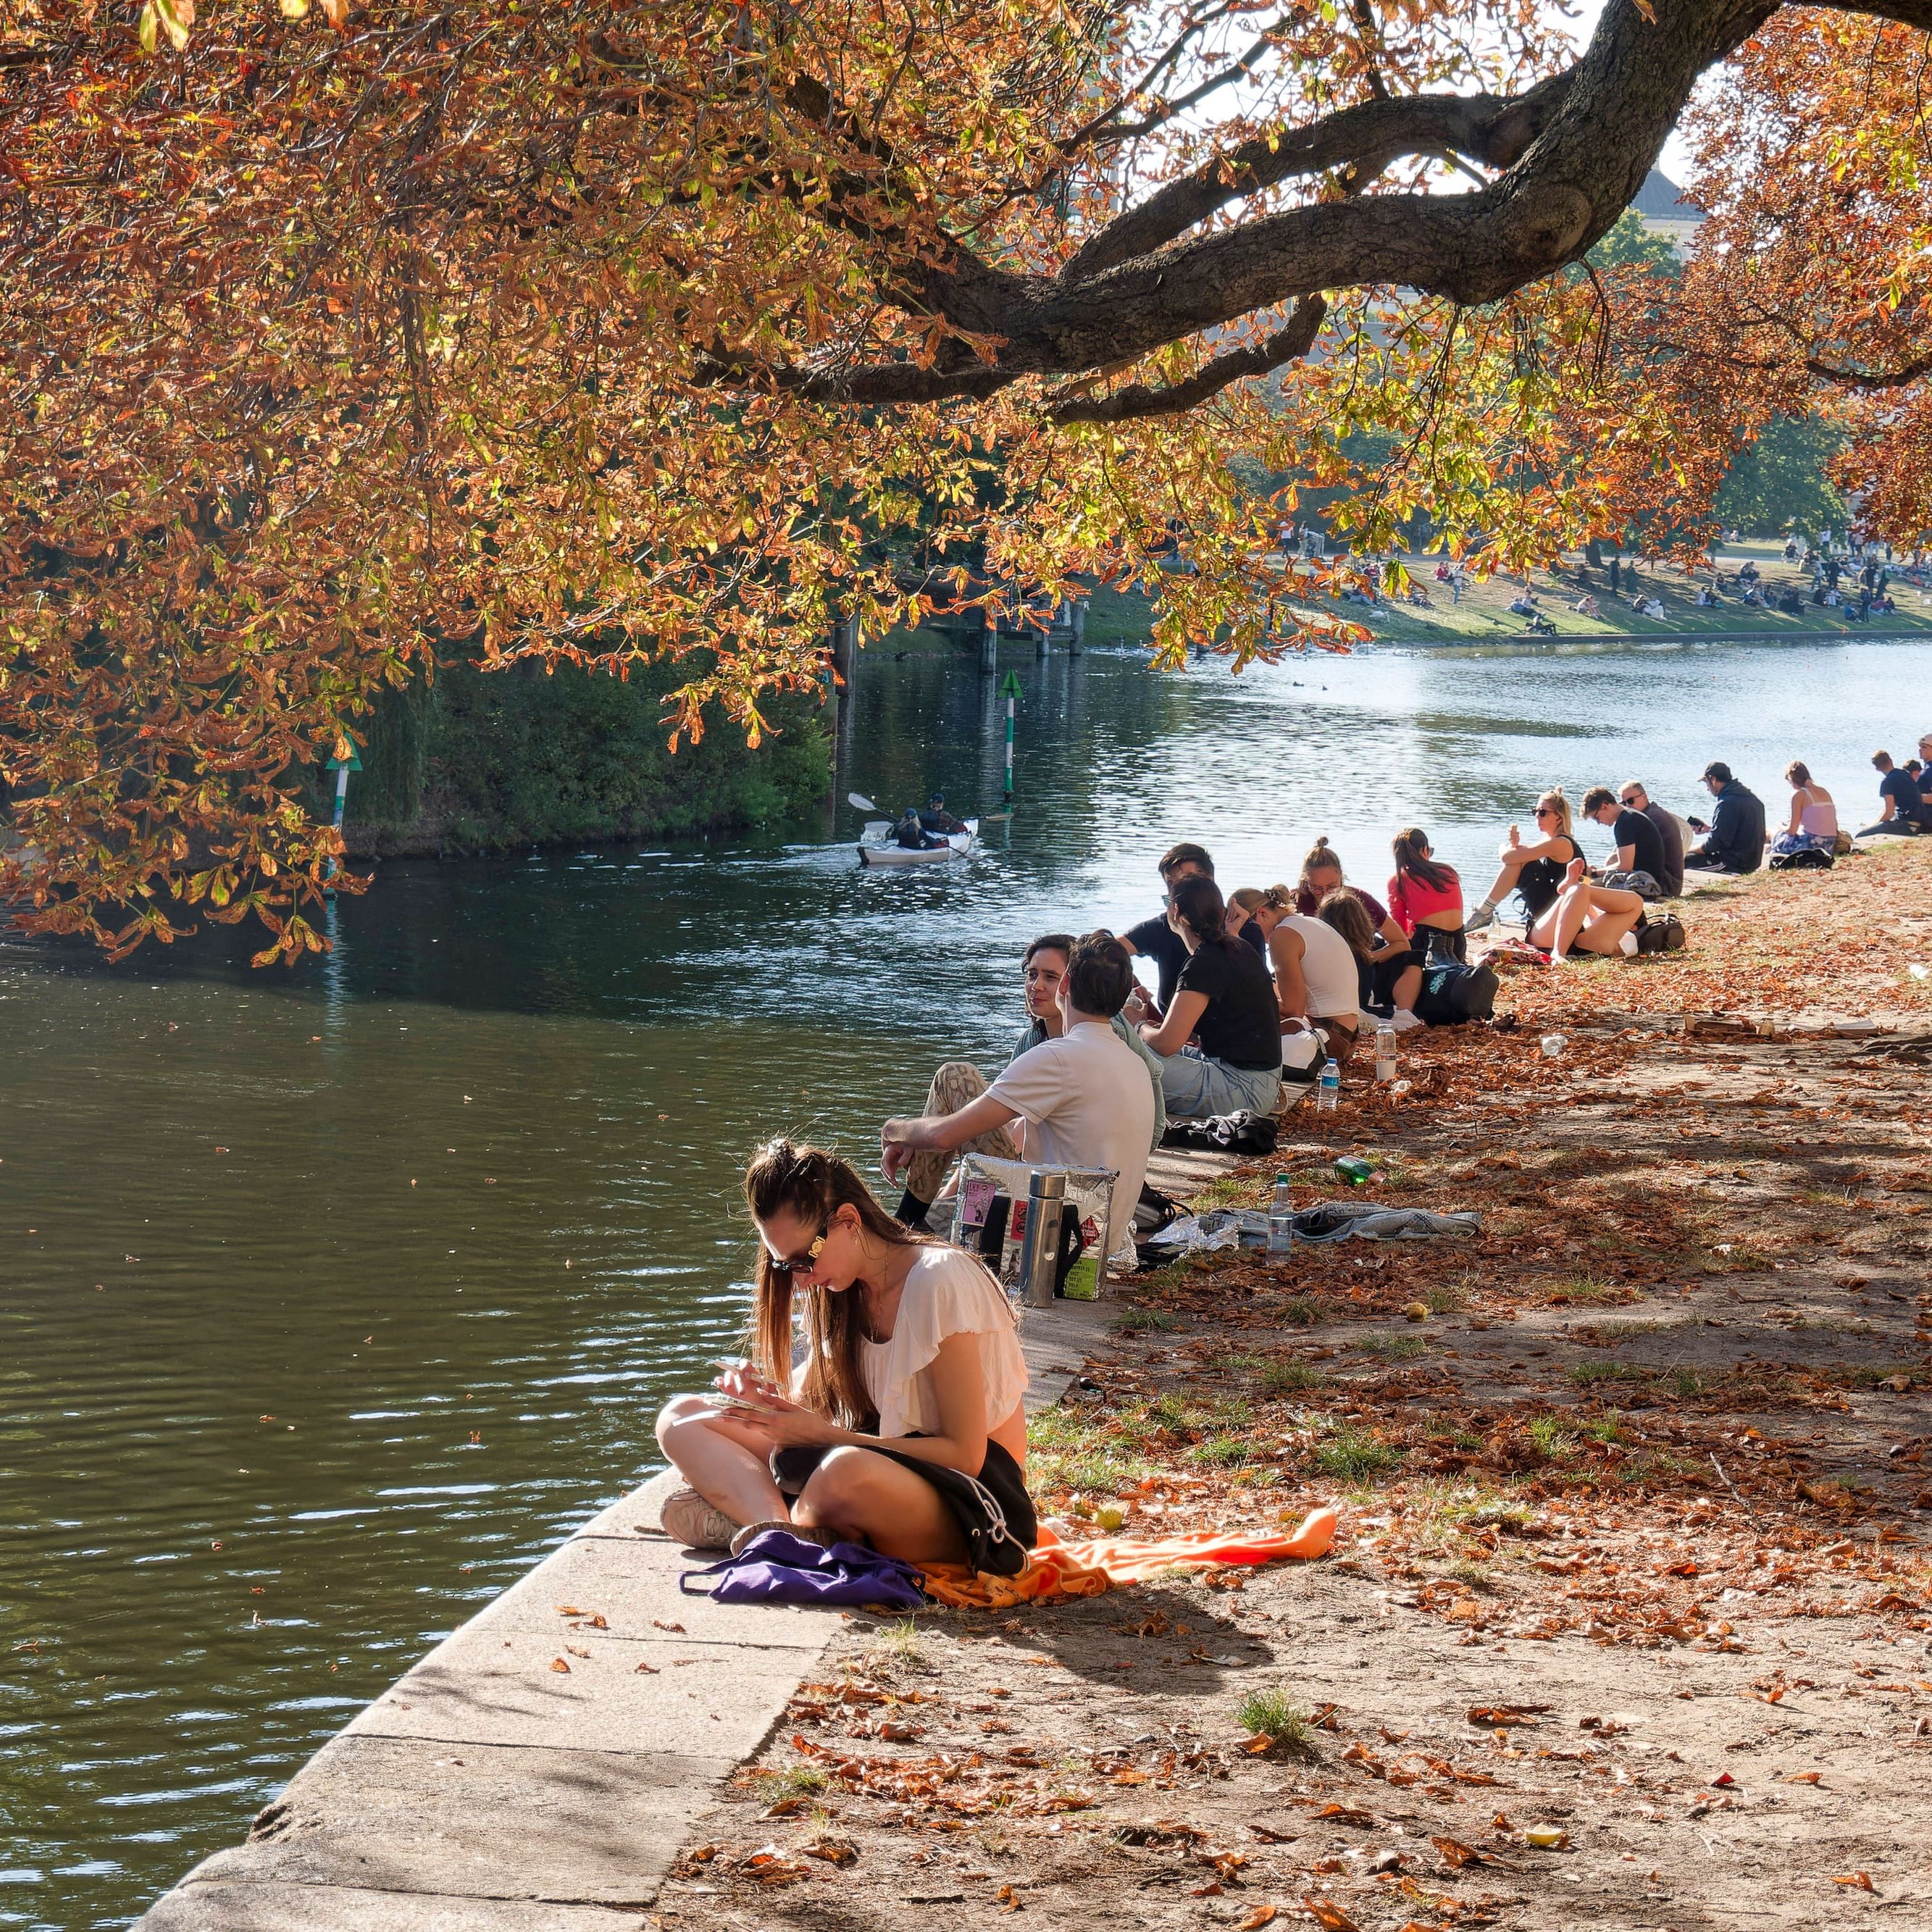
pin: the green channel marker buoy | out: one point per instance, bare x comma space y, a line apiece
342, 768
1010, 690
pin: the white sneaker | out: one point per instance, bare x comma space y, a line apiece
1405, 1020
688, 1519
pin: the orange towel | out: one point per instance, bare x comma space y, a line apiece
1057, 1569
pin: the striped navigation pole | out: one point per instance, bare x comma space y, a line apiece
342, 767
1010, 690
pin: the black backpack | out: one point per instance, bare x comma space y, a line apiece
1807, 858
1453, 995
1662, 934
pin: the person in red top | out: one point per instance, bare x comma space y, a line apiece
1426, 901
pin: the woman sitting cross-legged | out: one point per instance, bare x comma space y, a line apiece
1586, 918
901, 1424
1315, 975
1225, 1001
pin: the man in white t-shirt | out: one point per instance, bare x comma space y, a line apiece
1084, 1097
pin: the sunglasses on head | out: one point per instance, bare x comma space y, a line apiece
799, 1264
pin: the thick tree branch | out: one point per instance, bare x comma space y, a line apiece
1289, 344
1492, 127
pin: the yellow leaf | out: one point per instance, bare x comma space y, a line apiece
178, 16
295, 10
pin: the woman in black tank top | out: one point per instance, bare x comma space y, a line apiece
1534, 870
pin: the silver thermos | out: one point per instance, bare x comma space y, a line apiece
1046, 1202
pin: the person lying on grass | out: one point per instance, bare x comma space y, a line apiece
902, 1422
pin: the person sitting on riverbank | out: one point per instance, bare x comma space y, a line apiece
1586, 918
1426, 898
1670, 831
902, 1424
1899, 803
1389, 956
1637, 864
1156, 938
1533, 872
1814, 818
1083, 1094
1225, 1002
1046, 967
1315, 983
1734, 839
1388, 978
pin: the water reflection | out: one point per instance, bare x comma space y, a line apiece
328, 1300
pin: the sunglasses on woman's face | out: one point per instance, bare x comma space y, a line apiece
1546, 811
800, 1264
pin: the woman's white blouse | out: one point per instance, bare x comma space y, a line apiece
946, 1293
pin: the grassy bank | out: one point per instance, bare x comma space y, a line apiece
1629, 1606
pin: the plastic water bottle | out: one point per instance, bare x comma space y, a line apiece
1385, 1052
1328, 1088
1281, 1223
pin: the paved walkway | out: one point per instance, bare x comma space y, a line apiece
538, 1772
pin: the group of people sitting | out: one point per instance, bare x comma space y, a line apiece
883, 1400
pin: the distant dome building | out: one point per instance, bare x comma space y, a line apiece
1665, 212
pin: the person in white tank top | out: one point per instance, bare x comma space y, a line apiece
1315, 973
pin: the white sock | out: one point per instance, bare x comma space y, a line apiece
1404, 1021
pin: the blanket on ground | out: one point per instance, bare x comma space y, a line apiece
1056, 1569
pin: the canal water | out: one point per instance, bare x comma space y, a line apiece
329, 1299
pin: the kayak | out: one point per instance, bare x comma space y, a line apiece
876, 847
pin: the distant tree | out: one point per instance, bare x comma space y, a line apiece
1630, 245
1779, 480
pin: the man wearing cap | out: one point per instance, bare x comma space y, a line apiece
1734, 839
936, 818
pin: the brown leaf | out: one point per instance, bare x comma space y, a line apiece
1457, 1853
558, 1663
1259, 1915
1857, 1881
1349, 1814
1329, 1915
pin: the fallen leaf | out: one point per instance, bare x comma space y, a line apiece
1805, 1777
1457, 1853
558, 1663
1262, 1915
1857, 1881
1349, 1814
1329, 1915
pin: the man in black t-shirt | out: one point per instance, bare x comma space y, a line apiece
1639, 865
1157, 941
1900, 806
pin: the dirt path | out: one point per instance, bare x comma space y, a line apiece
1634, 1520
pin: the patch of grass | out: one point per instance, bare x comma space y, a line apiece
795, 1780
1444, 1300
1552, 1440
1084, 1449
1583, 1289
1607, 1427
1876, 1377
1284, 1378
1583, 1374
899, 1646
1388, 1348
1351, 1452
1274, 1714
1687, 1382
1616, 1331
1300, 1312
1236, 1360
1221, 1452
1225, 1190
1660, 1466
1137, 1320
1467, 1570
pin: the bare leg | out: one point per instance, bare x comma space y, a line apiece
957, 1084
1407, 984
871, 1498
731, 1475
1505, 883
1611, 914
1565, 920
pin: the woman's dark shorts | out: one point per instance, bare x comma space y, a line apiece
995, 1513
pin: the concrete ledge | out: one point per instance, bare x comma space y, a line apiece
490, 1790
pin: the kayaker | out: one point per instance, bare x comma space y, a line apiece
936, 818
911, 836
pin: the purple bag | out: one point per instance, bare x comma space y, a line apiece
776, 1567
